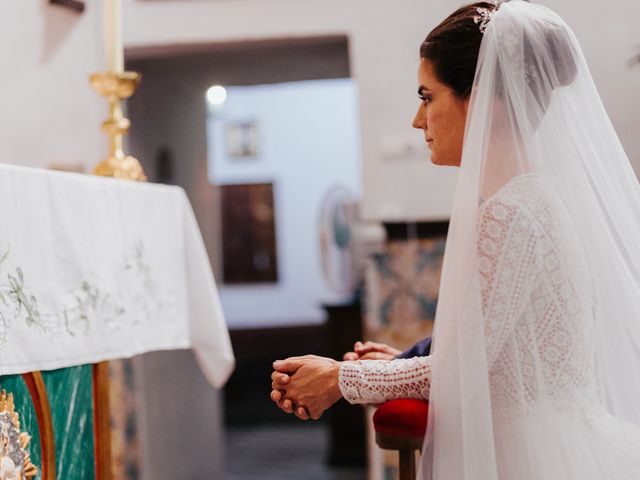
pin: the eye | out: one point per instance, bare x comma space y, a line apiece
425, 99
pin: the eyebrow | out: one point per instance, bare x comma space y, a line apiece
421, 89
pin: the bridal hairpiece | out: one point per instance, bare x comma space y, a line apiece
483, 17
485, 14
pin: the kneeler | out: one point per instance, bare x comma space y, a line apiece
400, 425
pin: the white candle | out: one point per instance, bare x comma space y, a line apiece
113, 35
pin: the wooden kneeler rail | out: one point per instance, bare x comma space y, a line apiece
102, 421
38, 391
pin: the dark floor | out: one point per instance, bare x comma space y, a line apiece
282, 452
265, 443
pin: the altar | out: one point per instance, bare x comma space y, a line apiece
91, 270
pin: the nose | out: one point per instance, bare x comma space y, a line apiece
420, 119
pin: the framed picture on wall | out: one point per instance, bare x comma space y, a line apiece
77, 5
242, 139
248, 234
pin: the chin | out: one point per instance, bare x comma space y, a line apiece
437, 159
443, 161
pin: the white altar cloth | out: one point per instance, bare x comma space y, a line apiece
96, 269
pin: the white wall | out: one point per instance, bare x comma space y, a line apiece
294, 119
49, 114
384, 40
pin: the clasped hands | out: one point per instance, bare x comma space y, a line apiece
308, 385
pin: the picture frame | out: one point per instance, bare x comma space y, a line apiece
242, 139
249, 244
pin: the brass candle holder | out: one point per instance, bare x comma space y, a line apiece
116, 87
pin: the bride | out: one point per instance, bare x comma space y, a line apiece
535, 367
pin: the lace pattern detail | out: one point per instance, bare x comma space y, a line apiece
538, 308
537, 301
376, 381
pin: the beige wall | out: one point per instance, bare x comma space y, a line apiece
51, 116
384, 37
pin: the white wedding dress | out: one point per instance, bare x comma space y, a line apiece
538, 300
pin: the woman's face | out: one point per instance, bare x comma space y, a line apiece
441, 116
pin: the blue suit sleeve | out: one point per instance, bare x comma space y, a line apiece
420, 349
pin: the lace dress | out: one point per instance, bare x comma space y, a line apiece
538, 303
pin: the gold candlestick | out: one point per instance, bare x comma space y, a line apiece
115, 87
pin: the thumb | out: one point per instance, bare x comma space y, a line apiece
289, 365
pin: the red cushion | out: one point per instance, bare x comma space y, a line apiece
402, 418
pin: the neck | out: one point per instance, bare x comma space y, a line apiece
504, 161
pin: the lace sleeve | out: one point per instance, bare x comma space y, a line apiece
376, 381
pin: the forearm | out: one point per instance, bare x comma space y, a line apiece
376, 381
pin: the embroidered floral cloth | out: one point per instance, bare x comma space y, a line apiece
94, 269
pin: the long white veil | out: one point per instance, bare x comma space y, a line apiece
536, 124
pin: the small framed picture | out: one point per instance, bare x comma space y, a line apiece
77, 5
249, 247
242, 139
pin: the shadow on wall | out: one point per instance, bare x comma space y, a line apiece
58, 23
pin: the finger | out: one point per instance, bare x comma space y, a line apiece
316, 415
350, 356
364, 350
277, 386
287, 405
275, 396
297, 358
281, 399
281, 378
368, 347
302, 413
376, 356
290, 365
377, 347
369, 356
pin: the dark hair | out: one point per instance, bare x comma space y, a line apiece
453, 47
